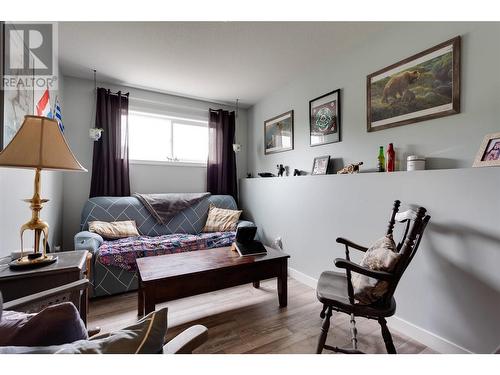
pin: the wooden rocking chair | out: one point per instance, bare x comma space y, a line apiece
336, 293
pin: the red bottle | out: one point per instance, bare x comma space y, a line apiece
391, 159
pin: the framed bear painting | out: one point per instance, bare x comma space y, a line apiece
422, 87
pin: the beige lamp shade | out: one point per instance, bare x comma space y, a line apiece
39, 144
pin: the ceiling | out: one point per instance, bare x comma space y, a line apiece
215, 61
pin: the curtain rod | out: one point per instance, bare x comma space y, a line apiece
109, 91
114, 93
217, 110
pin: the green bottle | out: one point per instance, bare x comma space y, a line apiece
381, 160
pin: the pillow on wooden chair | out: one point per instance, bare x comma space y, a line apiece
221, 220
381, 256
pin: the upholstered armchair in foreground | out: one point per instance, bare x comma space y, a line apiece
75, 292
51, 322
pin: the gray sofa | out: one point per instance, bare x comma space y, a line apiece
111, 277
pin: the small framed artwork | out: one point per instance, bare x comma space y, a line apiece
320, 165
278, 133
422, 87
489, 152
324, 119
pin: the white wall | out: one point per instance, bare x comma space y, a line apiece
452, 287
447, 142
79, 115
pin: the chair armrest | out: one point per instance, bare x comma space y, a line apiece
351, 244
187, 341
19, 303
88, 241
354, 267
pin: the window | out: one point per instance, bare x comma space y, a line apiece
162, 138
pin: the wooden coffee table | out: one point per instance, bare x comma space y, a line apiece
168, 277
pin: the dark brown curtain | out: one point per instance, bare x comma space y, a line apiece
110, 175
221, 168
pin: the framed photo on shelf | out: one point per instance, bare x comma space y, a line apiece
489, 152
422, 87
320, 165
324, 119
278, 133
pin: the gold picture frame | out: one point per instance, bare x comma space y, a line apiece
489, 152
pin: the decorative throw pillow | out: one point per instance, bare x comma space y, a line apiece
381, 256
115, 229
54, 325
147, 336
221, 220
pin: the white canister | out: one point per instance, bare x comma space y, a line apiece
415, 163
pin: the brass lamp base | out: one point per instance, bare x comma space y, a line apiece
28, 262
38, 258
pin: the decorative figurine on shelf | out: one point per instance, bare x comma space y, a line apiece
249, 175
351, 168
281, 169
298, 172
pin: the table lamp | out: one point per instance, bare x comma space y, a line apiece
38, 144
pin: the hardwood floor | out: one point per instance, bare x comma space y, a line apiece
248, 320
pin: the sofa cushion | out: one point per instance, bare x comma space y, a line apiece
221, 220
123, 253
54, 325
114, 229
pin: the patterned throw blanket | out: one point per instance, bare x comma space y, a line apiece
123, 252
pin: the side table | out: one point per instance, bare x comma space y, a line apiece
70, 266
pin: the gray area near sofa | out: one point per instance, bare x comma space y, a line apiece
109, 280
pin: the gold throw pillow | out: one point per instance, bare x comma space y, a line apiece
115, 229
221, 220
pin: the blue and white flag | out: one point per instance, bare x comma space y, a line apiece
58, 115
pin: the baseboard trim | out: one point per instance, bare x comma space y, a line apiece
302, 277
431, 340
